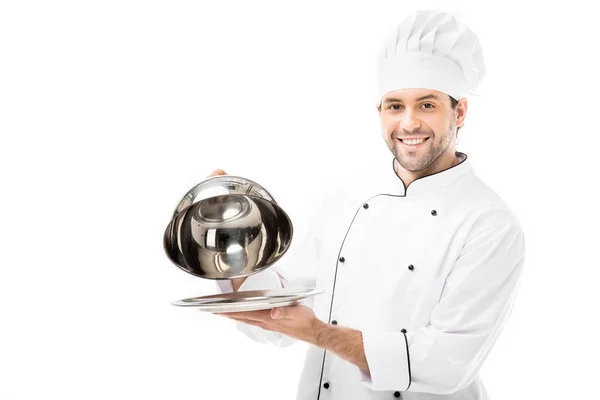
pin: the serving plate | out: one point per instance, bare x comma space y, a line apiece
249, 300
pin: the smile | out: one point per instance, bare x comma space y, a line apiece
413, 143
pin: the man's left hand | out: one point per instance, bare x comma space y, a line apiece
296, 321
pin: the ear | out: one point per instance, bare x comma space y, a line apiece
461, 111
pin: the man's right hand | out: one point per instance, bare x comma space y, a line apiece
235, 282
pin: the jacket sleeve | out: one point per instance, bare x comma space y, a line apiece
296, 268
446, 355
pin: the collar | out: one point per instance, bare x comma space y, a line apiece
427, 184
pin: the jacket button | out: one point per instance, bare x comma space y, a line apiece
326, 385
397, 394
334, 322
365, 206
403, 330
342, 259
411, 267
433, 212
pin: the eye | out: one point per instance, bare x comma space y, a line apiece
394, 106
432, 106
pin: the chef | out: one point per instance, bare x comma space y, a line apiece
420, 263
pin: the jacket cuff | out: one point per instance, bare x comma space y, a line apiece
388, 359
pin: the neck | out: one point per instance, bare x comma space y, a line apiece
447, 160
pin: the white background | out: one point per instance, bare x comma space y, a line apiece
111, 110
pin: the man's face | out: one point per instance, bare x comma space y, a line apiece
407, 114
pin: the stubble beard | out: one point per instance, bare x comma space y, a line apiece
415, 163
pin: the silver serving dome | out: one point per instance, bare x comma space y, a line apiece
227, 227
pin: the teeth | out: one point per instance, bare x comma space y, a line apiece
412, 142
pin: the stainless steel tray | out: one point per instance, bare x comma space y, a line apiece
249, 300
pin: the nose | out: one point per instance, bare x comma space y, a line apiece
409, 121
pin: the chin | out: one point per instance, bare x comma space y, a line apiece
414, 164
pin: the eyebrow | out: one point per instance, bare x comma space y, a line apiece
429, 96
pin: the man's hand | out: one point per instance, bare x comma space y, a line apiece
217, 172
301, 323
296, 321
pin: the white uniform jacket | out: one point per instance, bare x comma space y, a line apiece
427, 273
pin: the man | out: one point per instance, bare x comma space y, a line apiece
420, 264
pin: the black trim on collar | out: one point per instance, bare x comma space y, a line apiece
456, 153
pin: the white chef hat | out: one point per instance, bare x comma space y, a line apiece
431, 49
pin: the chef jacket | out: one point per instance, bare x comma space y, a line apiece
428, 273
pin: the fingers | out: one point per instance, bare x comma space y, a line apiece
261, 315
248, 321
260, 324
218, 172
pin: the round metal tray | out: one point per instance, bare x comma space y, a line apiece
249, 300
